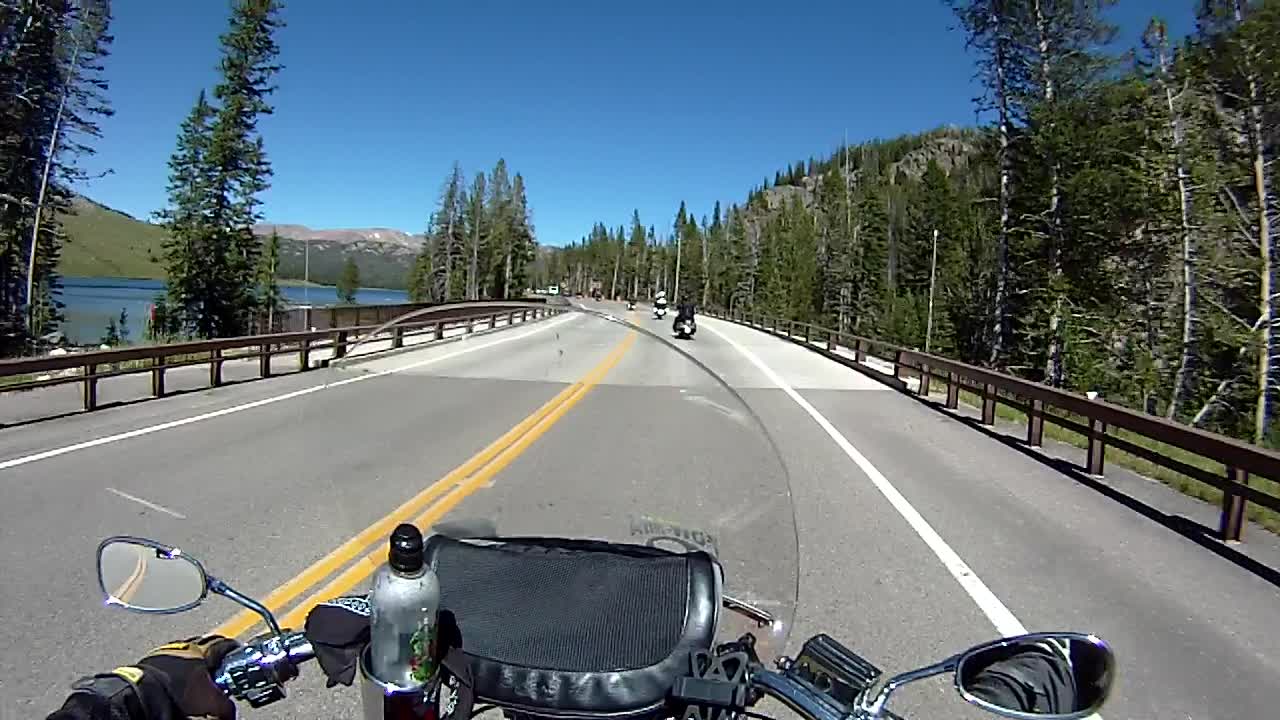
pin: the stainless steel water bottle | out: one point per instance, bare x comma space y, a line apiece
404, 604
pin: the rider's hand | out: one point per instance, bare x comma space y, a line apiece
180, 675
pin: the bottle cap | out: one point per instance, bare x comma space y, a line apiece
406, 549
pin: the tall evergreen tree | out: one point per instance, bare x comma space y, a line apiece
193, 262
52, 93
233, 171
522, 245
479, 236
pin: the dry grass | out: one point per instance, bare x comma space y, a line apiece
1266, 517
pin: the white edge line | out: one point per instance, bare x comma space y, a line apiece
147, 503
999, 615
45, 455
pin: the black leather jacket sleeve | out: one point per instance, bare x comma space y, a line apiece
112, 697
102, 697
1033, 681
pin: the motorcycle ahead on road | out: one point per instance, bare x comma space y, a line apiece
620, 587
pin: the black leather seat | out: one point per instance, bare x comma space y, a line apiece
576, 629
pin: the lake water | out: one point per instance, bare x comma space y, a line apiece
92, 302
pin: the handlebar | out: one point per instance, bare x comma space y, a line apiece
258, 670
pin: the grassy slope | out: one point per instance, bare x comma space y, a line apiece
105, 243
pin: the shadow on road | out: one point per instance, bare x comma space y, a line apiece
1193, 530
125, 403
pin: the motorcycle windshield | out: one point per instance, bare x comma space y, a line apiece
561, 419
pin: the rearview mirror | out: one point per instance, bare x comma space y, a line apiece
1041, 676
146, 576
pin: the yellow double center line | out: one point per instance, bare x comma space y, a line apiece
432, 504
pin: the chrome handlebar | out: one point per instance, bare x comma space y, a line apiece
258, 670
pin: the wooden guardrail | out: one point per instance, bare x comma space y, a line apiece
96, 366
1240, 460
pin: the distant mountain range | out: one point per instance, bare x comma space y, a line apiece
104, 242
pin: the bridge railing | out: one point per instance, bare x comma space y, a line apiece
90, 368
1095, 419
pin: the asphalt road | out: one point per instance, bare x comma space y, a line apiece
269, 477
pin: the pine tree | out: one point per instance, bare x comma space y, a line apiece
522, 244
479, 236
238, 167
991, 26
498, 213
638, 248
437, 275
348, 282
270, 299
82, 44
194, 264
52, 93
1160, 73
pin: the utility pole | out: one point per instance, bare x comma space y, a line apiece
675, 296
933, 276
306, 271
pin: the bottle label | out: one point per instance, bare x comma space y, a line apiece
423, 648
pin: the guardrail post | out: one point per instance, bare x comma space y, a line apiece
1035, 423
471, 325
157, 376
215, 367
807, 328
859, 351
831, 342
91, 386
953, 391
511, 318
925, 376
524, 316
264, 361
340, 344
493, 321
397, 339
1097, 446
439, 333
304, 355
988, 404
1231, 524
897, 364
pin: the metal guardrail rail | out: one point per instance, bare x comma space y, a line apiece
96, 366
1240, 460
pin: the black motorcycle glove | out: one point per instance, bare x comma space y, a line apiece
172, 682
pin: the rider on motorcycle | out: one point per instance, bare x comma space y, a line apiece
174, 681
684, 311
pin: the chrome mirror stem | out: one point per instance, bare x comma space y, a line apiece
225, 590
874, 707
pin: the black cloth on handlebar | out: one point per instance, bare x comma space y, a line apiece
338, 630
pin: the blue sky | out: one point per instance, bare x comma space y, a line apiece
604, 106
